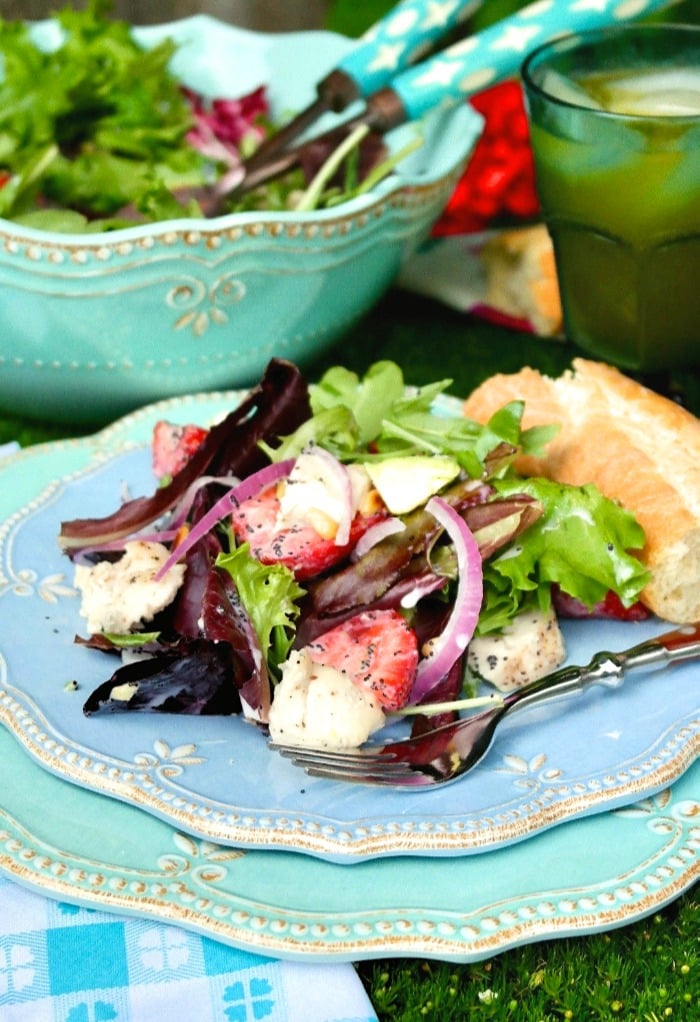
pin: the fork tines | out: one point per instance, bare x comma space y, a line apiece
366, 765
357, 760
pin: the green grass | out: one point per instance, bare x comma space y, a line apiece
646, 972
13, 427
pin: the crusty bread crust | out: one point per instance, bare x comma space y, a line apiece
521, 277
636, 446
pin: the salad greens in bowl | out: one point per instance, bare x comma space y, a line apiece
127, 275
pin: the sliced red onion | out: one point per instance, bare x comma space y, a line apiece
458, 631
182, 508
249, 487
376, 533
178, 518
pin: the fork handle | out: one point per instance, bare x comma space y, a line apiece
611, 669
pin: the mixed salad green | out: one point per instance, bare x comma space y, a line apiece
355, 521
98, 134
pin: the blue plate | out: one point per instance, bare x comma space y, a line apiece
215, 777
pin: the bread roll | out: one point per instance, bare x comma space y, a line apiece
521, 278
639, 448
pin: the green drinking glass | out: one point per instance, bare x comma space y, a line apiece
615, 127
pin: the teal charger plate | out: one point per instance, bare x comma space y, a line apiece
585, 876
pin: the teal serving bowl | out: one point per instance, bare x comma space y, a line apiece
92, 326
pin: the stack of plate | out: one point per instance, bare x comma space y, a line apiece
580, 818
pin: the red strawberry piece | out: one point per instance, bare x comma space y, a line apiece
173, 446
377, 649
613, 606
610, 606
299, 546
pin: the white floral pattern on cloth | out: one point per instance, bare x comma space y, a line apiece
62, 963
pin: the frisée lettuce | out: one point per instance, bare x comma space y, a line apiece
583, 542
271, 597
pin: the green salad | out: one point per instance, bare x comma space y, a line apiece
98, 134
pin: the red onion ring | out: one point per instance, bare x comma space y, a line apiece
249, 487
458, 631
376, 533
182, 508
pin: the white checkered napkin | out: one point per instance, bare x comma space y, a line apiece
61, 963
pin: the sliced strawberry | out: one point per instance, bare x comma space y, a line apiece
377, 649
173, 446
299, 546
613, 606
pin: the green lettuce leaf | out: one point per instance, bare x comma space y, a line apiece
110, 115
377, 416
583, 542
270, 595
370, 398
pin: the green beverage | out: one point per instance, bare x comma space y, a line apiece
615, 127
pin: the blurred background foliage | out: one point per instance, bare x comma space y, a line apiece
351, 17
262, 15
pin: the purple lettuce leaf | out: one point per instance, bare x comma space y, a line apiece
187, 607
192, 678
394, 558
225, 620
220, 669
274, 408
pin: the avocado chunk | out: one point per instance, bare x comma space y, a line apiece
406, 483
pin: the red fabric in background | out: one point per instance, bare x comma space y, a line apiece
499, 182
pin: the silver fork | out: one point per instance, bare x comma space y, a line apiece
448, 752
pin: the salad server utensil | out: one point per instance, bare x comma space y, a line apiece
448, 77
405, 32
448, 752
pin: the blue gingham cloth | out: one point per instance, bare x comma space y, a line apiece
62, 963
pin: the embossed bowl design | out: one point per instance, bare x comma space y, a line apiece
92, 326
